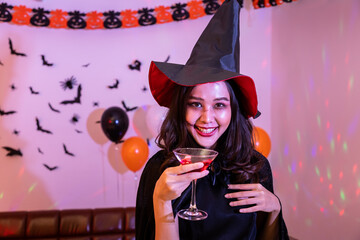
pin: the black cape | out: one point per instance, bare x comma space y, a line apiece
223, 221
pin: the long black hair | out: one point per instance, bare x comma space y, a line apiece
235, 146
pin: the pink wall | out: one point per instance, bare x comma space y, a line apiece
315, 117
301, 55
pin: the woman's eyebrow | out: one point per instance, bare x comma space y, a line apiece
216, 99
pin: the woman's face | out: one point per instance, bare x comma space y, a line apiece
208, 113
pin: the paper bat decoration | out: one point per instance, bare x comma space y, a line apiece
2, 113
127, 108
12, 152
95, 104
12, 87
67, 152
32, 91
39, 150
46, 63
76, 99
39, 128
78, 131
53, 109
167, 59
13, 51
135, 65
50, 168
144, 89
16, 132
115, 85
86, 65
1, 63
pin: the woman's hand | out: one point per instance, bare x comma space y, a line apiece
174, 180
253, 194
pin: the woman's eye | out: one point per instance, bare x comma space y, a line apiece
195, 104
219, 105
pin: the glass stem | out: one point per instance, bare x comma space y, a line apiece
193, 196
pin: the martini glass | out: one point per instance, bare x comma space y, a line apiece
194, 155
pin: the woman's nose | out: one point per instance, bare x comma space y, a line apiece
207, 115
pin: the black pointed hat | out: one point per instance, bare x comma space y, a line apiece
214, 58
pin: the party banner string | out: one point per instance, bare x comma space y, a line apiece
112, 19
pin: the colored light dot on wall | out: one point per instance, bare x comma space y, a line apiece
332, 145
289, 169
354, 168
1, 195
345, 147
359, 183
322, 209
320, 148
321, 179
350, 82
296, 186
326, 102
31, 188
331, 202
21, 171
317, 171
308, 222
318, 119
298, 136
328, 172
300, 164
338, 137
294, 208
327, 124
342, 195
341, 213
341, 175
330, 186
313, 151
358, 192
264, 63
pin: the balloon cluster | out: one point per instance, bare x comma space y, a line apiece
134, 151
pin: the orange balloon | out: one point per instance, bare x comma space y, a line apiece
262, 141
134, 153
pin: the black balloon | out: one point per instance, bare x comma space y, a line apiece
114, 123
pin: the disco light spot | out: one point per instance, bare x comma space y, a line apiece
317, 171
328, 173
1, 195
31, 188
338, 137
21, 171
342, 195
327, 103
264, 63
294, 208
358, 183
296, 186
332, 145
354, 168
318, 119
321, 179
286, 150
300, 164
354, 124
322, 209
341, 213
293, 167
298, 136
313, 151
308, 222
320, 148
330, 186
290, 170
358, 192
345, 147
351, 83
331, 202
341, 175
327, 124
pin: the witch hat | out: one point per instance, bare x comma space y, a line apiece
214, 58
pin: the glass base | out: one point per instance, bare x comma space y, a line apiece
192, 214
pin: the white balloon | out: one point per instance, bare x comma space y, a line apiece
155, 116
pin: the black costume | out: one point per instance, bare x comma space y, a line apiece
223, 222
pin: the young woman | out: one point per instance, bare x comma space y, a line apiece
210, 104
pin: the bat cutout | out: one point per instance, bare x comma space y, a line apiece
135, 65
53, 109
39, 150
33, 91
167, 59
144, 89
12, 87
50, 168
78, 131
86, 65
2, 113
95, 104
76, 99
67, 152
45, 62
127, 108
1, 63
39, 128
115, 85
74, 119
16, 132
148, 141
13, 51
12, 151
